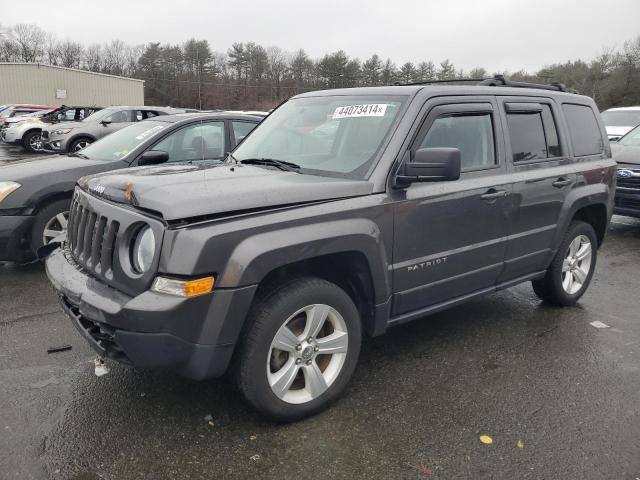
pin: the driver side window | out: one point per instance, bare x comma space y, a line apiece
201, 141
471, 133
122, 116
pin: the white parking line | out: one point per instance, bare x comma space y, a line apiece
598, 324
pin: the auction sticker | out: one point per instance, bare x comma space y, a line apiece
367, 110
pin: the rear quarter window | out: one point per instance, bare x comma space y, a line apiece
584, 131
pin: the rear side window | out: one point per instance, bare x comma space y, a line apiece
533, 135
583, 129
471, 133
242, 129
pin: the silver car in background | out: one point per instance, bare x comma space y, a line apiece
73, 136
619, 121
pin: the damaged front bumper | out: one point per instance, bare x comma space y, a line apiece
194, 336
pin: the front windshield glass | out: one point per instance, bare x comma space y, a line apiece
339, 136
631, 138
118, 145
621, 118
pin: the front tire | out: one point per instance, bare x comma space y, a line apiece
33, 142
299, 349
571, 270
50, 222
79, 144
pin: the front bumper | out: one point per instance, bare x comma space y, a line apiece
13, 232
56, 143
194, 336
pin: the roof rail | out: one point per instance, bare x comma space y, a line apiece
501, 81
428, 82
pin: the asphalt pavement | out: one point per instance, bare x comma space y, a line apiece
558, 397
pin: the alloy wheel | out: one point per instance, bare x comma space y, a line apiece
81, 144
577, 264
35, 143
307, 354
55, 227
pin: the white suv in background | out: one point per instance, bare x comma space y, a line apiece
619, 121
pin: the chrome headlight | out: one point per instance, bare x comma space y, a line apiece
6, 188
63, 131
143, 248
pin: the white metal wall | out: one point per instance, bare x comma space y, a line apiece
42, 84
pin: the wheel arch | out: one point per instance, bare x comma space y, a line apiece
349, 253
592, 204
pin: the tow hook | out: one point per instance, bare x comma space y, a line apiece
100, 367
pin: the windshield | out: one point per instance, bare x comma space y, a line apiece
118, 145
621, 118
338, 136
631, 138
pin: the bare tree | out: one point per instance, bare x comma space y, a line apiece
31, 41
71, 54
93, 58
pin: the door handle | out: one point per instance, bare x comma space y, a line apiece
562, 182
492, 194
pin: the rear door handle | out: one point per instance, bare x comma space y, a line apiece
562, 182
492, 194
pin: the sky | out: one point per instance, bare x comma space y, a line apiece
498, 35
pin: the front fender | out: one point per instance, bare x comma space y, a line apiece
255, 257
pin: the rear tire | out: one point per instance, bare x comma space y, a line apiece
50, 221
280, 367
571, 270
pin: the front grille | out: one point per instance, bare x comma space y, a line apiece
629, 182
92, 238
624, 202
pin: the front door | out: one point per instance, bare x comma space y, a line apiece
449, 236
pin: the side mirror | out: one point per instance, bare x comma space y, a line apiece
105, 122
431, 165
153, 157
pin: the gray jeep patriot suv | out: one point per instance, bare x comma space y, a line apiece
345, 212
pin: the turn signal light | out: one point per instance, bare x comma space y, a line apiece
183, 288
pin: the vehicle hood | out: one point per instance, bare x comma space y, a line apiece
618, 131
62, 125
625, 153
186, 191
41, 176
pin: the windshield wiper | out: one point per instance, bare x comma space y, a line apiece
281, 164
78, 154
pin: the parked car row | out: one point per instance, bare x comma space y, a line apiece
35, 195
26, 130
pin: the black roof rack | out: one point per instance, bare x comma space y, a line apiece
501, 81
428, 82
497, 81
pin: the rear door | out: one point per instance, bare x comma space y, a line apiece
449, 237
539, 159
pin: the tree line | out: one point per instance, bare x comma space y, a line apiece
252, 76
